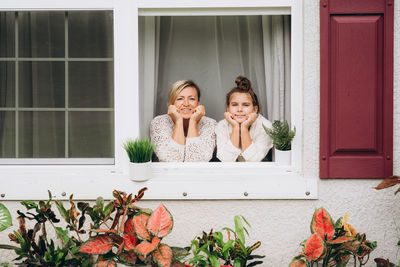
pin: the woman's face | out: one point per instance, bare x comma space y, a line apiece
186, 102
240, 106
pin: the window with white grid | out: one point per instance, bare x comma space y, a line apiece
56, 87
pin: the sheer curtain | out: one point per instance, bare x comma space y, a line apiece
213, 51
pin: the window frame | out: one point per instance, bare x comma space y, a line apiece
211, 180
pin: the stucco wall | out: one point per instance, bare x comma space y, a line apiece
282, 224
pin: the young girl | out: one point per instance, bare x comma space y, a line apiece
241, 136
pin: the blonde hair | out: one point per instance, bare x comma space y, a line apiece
177, 88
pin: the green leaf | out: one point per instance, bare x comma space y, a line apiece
22, 242
100, 202
62, 210
239, 229
227, 245
236, 263
29, 204
5, 218
218, 237
64, 234
214, 261
108, 209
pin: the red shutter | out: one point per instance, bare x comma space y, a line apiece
356, 108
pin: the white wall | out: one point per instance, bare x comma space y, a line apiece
282, 224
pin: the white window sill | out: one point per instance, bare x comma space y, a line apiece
191, 181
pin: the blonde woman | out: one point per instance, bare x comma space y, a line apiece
185, 134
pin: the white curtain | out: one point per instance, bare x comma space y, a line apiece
213, 51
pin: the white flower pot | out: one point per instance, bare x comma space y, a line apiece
283, 157
139, 172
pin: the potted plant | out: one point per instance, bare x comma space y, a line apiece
332, 243
139, 152
212, 250
282, 137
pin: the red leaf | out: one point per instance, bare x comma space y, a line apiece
297, 263
163, 255
129, 257
129, 229
388, 182
160, 222
104, 231
98, 245
145, 248
140, 225
340, 240
105, 263
322, 224
139, 195
314, 247
130, 242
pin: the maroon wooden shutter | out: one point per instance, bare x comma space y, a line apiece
356, 123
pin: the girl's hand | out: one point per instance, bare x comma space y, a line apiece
199, 112
250, 120
229, 118
174, 114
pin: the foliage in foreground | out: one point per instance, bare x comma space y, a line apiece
281, 135
211, 249
333, 244
119, 232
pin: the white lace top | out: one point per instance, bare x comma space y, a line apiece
261, 142
195, 149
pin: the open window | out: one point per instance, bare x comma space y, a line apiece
123, 65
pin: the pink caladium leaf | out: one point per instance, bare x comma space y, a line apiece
160, 222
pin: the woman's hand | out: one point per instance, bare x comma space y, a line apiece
250, 120
199, 112
229, 118
174, 114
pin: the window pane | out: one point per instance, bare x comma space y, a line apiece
42, 84
7, 84
41, 134
91, 84
91, 134
7, 34
7, 134
41, 34
90, 34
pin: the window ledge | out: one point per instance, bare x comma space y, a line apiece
171, 181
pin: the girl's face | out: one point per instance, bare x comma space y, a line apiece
240, 106
186, 102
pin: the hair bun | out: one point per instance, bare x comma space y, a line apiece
243, 83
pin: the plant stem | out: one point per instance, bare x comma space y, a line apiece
62, 240
77, 233
121, 226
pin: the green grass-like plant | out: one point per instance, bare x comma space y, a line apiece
139, 150
281, 135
